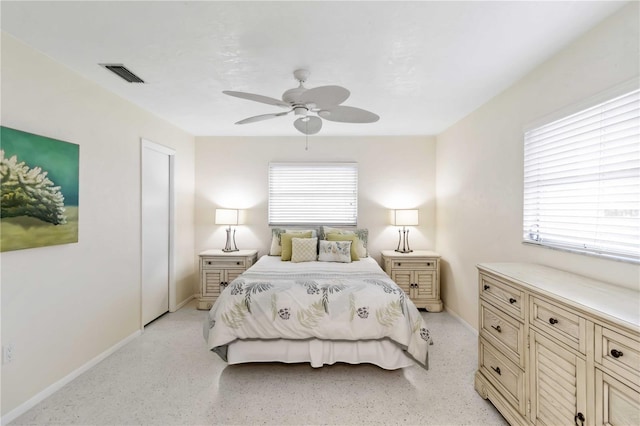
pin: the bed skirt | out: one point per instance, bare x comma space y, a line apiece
383, 353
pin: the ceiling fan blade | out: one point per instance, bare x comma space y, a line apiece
347, 114
325, 97
308, 127
257, 98
262, 117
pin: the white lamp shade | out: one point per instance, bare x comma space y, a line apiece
226, 216
405, 217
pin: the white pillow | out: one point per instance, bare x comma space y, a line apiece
304, 249
335, 251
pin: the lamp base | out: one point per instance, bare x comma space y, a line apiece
227, 248
403, 237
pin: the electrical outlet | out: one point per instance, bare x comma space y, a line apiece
8, 353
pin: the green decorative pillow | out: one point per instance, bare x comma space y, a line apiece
362, 233
347, 237
285, 239
276, 245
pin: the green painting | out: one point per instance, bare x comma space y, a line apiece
39, 190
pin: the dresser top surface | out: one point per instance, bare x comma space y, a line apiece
619, 304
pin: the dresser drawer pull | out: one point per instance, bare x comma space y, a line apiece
399, 264
237, 263
428, 264
580, 417
616, 353
553, 321
497, 370
487, 286
512, 300
497, 328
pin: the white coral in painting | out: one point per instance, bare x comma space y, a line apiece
28, 191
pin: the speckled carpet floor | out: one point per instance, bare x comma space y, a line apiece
168, 377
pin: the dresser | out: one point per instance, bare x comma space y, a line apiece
218, 269
555, 348
418, 274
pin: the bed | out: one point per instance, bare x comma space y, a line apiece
317, 312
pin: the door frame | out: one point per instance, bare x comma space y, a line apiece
170, 152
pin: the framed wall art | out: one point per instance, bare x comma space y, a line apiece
39, 203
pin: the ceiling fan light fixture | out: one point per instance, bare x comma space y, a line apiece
325, 101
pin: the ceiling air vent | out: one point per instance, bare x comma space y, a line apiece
123, 72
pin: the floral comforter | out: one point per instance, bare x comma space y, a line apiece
323, 300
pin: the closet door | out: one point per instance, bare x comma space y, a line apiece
156, 230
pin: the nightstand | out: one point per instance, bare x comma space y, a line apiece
418, 274
218, 269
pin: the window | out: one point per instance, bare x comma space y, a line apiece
313, 193
582, 181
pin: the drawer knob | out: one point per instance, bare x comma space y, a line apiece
497, 370
512, 300
237, 263
428, 264
616, 353
487, 286
497, 328
553, 321
399, 264
580, 417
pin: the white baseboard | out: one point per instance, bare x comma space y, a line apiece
50, 390
187, 300
459, 318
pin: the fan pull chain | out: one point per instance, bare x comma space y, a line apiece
306, 136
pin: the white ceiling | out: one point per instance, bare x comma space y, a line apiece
421, 66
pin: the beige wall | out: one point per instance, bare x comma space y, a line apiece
480, 164
64, 305
394, 172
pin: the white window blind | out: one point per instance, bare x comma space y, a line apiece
582, 181
313, 193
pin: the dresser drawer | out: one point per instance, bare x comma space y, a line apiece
562, 323
413, 264
503, 331
502, 295
226, 262
618, 353
503, 374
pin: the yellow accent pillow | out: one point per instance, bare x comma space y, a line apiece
347, 237
285, 240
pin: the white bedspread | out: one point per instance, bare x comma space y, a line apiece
322, 300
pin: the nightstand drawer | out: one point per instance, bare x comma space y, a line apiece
227, 262
565, 325
501, 294
413, 264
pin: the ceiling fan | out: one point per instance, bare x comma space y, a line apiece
309, 105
